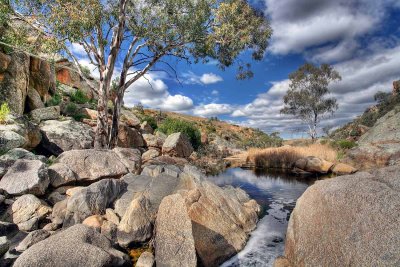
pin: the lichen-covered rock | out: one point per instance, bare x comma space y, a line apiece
177, 145
174, 239
8, 159
60, 136
26, 177
43, 114
347, 221
78, 245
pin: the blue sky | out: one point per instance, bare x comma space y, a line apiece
360, 38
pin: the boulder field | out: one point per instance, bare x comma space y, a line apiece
350, 220
89, 207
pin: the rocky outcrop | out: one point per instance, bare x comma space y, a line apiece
174, 239
78, 245
60, 136
25, 177
177, 145
347, 221
380, 146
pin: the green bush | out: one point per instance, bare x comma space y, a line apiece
55, 100
71, 108
4, 111
79, 97
259, 139
344, 144
150, 120
170, 126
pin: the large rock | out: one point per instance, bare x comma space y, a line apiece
92, 165
153, 140
8, 159
129, 137
14, 81
313, 164
19, 132
33, 100
347, 221
174, 239
78, 245
42, 77
43, 114
92, 200
177, 145
130, 157
26, 177
27, 211
129, 118
60, 136
31, 239
380, 146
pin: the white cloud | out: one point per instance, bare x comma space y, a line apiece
205, 79
213, 110
153, 93
215, 92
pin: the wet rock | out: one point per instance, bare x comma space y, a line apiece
177, 145
25, 177
78, 245
60, 136
174, 238
44, 114
332, 221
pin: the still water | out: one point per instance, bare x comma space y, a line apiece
277, 194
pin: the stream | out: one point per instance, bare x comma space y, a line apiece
277, 194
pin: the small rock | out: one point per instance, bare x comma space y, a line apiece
146, 259
95, 221
31, 239
4, 245
112, 216
129, 118
153, 140
150, 154
50, 227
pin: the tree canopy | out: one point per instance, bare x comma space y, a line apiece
138, 36
307, 98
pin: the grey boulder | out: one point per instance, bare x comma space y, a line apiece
78, 245
177, 145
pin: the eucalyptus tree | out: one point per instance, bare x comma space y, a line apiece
129, 38
307, 98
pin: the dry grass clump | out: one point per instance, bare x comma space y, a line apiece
284, 157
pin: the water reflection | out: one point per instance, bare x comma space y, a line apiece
277, 194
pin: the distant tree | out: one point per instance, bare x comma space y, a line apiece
142, 34
307, 98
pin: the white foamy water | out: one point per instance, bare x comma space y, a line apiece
277, 194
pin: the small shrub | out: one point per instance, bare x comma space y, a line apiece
344, 144
55, 100
79, 97
71, 108
150, 120
170, 126
4, 111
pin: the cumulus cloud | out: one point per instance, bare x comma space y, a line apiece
213, 110
205, 79
153, 93
332, 28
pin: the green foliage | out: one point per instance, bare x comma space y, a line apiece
85, 70
262, 140
55, 100
71, 108
307, 97
4, 112
79, 97
170, 126
150, 120
343, 144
